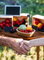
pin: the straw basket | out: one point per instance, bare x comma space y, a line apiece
25, 34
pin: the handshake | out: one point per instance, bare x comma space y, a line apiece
20, 46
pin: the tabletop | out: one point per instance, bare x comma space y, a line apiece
37, 34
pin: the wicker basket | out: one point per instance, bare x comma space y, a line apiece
25, 34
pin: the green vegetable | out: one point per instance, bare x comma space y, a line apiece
22, 27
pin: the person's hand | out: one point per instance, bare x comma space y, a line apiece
25, 46
16, 46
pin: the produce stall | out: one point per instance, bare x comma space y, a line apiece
18, 22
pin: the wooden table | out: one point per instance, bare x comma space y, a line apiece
36, 35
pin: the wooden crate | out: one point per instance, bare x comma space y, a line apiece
39, 17
23, 15
4, 17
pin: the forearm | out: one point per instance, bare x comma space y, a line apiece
37, 42
6, 41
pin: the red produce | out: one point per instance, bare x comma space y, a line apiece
43, 23
26, 31
20, 22
7, 25
14, 23
17, 21
7, 21
37, 21
0, 23
3, 27
41, 26
22, 30
3, 23
10, 24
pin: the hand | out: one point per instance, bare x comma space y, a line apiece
15, 45
28, 43
25, 46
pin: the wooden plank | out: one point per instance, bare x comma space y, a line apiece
39, 17
20, 17
38, 53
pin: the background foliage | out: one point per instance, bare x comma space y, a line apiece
32, 7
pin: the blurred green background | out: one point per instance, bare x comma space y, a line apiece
32, 7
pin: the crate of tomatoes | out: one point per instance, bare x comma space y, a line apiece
5, 21
22, 19
38, 22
